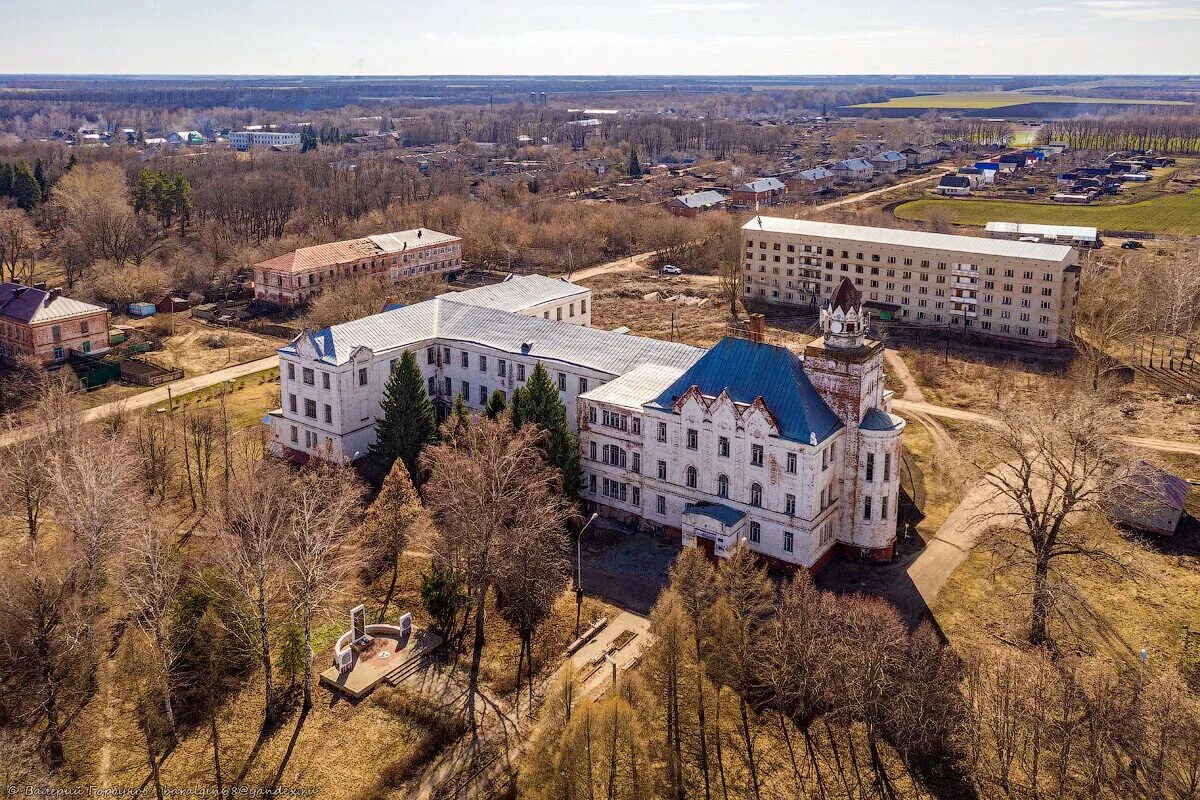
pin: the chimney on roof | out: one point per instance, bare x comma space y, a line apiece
758, 328
40, 285
418, 233
54, 293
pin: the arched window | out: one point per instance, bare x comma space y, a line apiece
755, 494
722, 486
691, 477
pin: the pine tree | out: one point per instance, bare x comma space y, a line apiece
539, 404
6, 179
25, 188
635, 166
181, 198
389, 524
308, 139
408, 421
495, 405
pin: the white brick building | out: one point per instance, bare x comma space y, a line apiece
744, 442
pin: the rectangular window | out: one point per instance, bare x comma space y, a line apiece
483, 395
450, 388
661, 504
723, 446
520, 372
292, 403
291, 372
328, 413
755, 532
756, 455
789, 504
56, 332
592, 484
430, 355
791, 463
636, 466
883, 510
502, 368
870, 466
693, 439
310, 408
635, 496
562, 381
662, 470
295, 435
362, 376
582, 385
866, 508
887, 466
789, 541
483, 363
824, 460
662, 431
324, 380
465, 360
465, 391
592, 450
309, 377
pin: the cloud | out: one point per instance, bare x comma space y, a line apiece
1142, 11
672, 8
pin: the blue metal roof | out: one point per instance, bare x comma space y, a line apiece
878, 420
723, 514
749, 370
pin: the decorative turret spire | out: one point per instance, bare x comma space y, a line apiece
843, 320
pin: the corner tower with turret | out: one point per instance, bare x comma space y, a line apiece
846, 368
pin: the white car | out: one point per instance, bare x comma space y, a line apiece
667, 269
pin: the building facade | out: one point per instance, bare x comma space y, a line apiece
245, 140
797, 456
40, 324
290, 279
1016, 291
697, 203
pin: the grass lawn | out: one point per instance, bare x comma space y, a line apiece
1000, 100
1177, 214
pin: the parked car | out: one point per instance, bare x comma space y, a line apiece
667, 269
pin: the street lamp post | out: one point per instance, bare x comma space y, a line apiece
579, 572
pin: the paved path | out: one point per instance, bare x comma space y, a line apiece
159, 394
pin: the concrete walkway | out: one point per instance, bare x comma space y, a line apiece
160, 394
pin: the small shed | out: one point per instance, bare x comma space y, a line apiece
169, 304
1147, 498
141, 309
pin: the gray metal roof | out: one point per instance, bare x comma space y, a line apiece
708, 197
417, 237
726, 515
878, 420
762, 185
814, 174
518, 293
887, 155
1074, 231
917, 239
854, 164
29, 304
534, 337
636, 387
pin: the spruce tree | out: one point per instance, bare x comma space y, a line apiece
25, 188
6, 179
408, 421
495, 405
39, 175
539, 403
459, 420
181, 198
635, 166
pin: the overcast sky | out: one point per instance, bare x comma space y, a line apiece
386, 37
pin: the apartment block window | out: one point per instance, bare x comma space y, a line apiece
449, 392
723, 446
582, 385
465, 391
483, 363
870, 466
691, 477
662, 470
292, 403
693, 439
789, 541
755, 532
635, 496
295, 435
756, 494
887, 466
310, 408
502, 368
662, 431
789, 505
562, 381
636, 425
661, 504
465, 360
756, 455
636, 463
866, 508
430, 355
791, 463
446, 356
362, 376
592, 414
722, 486
324, 380
592, 484
592, 450
309, 377
483, 395
291, 372
328, 414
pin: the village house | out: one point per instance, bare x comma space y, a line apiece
889, 162
40, 324
954, 185
854, 169
796, 455
694, 204
764, 191
921, 156
292, 278
810, 181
